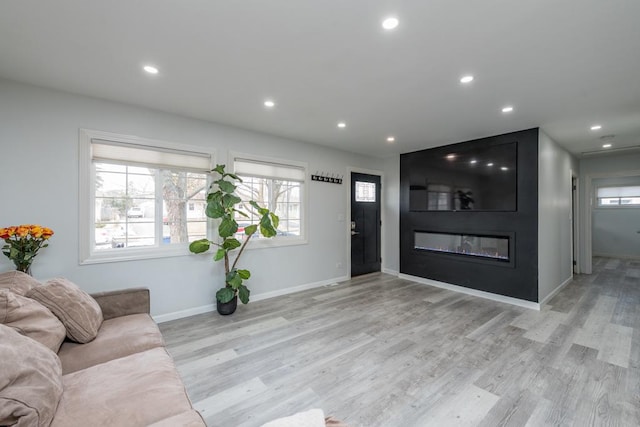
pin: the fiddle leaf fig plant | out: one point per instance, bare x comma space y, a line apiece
223, 204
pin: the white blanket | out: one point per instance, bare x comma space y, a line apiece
310, 418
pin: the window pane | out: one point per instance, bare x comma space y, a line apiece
124, 207
126, 200
184, 203
365, 191
281, 197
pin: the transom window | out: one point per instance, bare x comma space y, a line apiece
144, 199
278, 186
620, 196
365, 192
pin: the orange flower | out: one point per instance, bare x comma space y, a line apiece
4, 233
46, 232
36, 231
22, 231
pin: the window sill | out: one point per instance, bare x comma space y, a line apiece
276, 243
134, 254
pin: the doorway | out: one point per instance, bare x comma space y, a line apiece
365, 224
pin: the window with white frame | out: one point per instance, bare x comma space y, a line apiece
276, 185
142, 198
619, 196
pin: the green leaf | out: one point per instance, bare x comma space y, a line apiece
275, 220
233, 279
231, 243
243, 294
199, 246
215, 196
219, 254
224, 295
245, 274
214, 210
227, 227
266, 228
219, 169
234, 176
250, 229
226, 186
259, 208
229, 200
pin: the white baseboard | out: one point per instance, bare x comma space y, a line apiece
474, 292
556, 290
254, 298
160, 318
390, 271
616, 256
287, 291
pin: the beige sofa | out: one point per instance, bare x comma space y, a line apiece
122, 377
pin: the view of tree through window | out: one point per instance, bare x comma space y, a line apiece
144, 207
280, 196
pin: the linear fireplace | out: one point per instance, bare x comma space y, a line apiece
472, 245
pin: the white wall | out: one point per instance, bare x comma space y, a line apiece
391, 210
592, 168
554, 216
39, 166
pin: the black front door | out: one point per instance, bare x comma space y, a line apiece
365, 223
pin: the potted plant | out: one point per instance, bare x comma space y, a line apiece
223, 205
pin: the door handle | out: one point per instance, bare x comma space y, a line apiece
353, 233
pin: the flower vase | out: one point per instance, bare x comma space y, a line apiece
25, 269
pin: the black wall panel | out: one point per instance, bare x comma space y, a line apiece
517, 278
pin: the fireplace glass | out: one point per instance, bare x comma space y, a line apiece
492, 247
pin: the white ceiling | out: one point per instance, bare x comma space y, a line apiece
563, 65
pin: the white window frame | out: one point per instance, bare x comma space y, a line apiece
278, 241
87, 200
618, 206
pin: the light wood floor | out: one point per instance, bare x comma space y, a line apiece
380, 351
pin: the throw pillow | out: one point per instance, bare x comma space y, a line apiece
17, 282
79, 313
31, 319
30, 381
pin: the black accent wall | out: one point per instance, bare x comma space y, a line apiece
517, 278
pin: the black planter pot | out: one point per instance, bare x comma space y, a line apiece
226, 308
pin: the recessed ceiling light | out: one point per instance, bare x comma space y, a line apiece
390, 23
596, 127
466, 79
391, 139
504, 168
507, 109
606, 145
473, 162
451, 156
269, 103
150, 69
489, 164
342, 125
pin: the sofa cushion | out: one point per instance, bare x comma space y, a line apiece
30, 381
17, 282
185, 419
80, 314
117, 337
136, 390
32, 319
